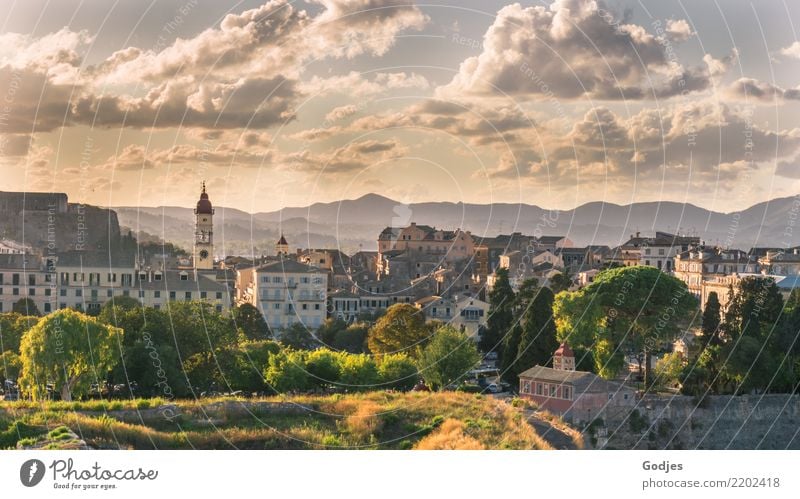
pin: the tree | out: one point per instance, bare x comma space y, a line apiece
501, 313
196, 327
12, 327
70, 350
711, 320
323, 367
398, 371
26, 306
401, 329
330, 329
560, 282
250, 320
298, 337
449, 356
10, 366
668, 371
631, 309
353, 339
359, 372
286, 372
538, 340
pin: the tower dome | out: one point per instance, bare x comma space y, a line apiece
204, 205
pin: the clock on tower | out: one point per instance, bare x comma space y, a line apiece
202, 257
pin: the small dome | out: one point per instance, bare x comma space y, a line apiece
204, 205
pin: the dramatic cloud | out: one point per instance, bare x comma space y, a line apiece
749, 88
245, 73
353, 157
574, 49
678, 31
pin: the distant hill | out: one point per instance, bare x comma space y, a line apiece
354, 224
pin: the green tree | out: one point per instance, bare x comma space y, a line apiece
353, 339
501, 313
448, 358
10, 366
401, 329
560, 282
538, 340
196, 327
12, 327
330, 329
637, 309
711, 320
286, 371
70, 350
298, 337
26, 306
398, 371
323, 367
359, 372
250, 320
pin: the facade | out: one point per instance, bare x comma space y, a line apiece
286, 292
576, 395
713, 269
471, 315
27, 276
781, 262
424, 239
203, 252
159, 288
9, 247
86, 280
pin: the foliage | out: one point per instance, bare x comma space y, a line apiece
10, 366
636, 309
398, 371
25, 306
250, 321
668, 371
70, 350
501, 313
352, 339
538, 340
447, 358
560, 282
12, 327
323, 367
286, 372
359, 372
401, 329
711, 320
298, 336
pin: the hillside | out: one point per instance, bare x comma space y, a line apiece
377, 420
354, 224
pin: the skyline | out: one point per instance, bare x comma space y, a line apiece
284, 104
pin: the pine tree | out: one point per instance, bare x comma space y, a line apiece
501, 313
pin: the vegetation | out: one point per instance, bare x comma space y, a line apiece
449, 356
501, 313
70, 350
375, 420
401, 330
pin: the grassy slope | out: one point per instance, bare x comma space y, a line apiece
377, 420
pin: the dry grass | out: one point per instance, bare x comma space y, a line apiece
450, 436
379, 420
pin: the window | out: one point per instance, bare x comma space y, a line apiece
184, 276
15, 291
203, 295
78, 292
219, 295
172, 295
47, 308
539, 389
141, 293
526, 387
32, 292
276, 279
552, 390
15, 279
304, 280
157, 294
156, 276
610, 396
47, 292
316, 306
305, 306
277, 306
63, 292
31, 280
188, 295
566, 392
109, 293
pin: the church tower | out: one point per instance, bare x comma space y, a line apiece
281, 247
203, 256
564, 358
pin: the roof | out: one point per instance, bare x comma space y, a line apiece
101, 259
285, 265
550, 239
564, 350
19, 261
203, 204
282, 241
582, 381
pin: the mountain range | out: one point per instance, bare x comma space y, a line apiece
355, 224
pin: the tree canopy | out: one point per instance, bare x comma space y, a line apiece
70, 350
449, 356
401, 329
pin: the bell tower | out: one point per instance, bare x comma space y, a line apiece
203, 255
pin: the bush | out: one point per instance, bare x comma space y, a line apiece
398, 371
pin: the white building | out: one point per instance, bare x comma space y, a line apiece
286, 292
26, 276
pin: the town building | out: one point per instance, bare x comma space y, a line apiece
286, 292
27, 276
578, 396
706, 269
447, 245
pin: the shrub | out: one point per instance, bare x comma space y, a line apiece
398, 371
450, 436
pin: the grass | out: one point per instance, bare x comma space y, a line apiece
375, 420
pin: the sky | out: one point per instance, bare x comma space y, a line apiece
287, 103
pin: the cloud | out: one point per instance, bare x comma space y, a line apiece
789, 168
246, 72
570, 50
340, 113
355, 156
678, 31
792, 50
749, 88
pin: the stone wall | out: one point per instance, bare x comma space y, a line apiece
716, 422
